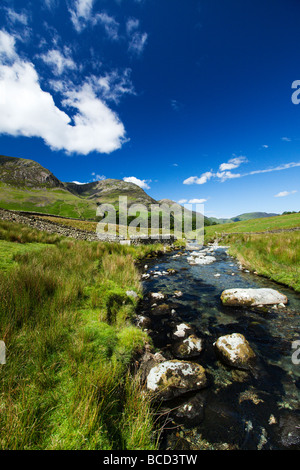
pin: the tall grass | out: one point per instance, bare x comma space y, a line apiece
276, 256
65, 319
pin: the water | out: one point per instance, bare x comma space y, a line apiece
239, 409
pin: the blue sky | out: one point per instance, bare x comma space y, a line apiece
191, 100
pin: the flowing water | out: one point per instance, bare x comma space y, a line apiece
256, 409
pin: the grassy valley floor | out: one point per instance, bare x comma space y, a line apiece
273, 255
65, 318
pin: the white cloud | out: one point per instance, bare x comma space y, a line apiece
286, 139
98, 177
265, 146
197, 201
15, 17
132, 24
7, 46
110, 25
27, 110
81, 13
137, 42
141, 183
78, 182
225, 175
285, 193
112, 86
58, 61
284, 166
202, 180
232, 163
137, 39
182, 201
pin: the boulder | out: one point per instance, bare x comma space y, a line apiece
252, 297
173, 378
188, 347
235, 351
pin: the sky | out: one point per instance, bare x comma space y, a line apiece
194, 101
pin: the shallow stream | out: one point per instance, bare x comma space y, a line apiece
256, 409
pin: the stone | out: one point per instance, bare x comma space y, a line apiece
143, 322
178, 293
161, 310
157, 295
234, 350
132, 293
252, 297
173, 378
181, 331
188, 347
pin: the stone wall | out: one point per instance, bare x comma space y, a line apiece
36, 222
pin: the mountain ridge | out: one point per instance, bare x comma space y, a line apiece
28, 186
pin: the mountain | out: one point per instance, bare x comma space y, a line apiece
22, 172
242, 217
108, 192
26, 185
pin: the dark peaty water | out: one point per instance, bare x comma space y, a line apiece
256, 409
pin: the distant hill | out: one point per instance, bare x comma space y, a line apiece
241, 217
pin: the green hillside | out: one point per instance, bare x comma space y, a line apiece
256, 225
245, 216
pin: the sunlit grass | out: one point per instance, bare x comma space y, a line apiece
66, 320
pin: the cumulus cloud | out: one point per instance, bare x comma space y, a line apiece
285, 193
27, 110
141, 183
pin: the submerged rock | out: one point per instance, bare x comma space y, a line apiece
189, 413
252, 297
235, 351
170, 379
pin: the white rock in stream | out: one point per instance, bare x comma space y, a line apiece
235, 350
170, 379
252, 297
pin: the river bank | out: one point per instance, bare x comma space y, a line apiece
238, 409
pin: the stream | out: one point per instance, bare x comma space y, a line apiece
239, 410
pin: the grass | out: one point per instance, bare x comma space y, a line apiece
66, 322
275, 256
58, 202
254, 225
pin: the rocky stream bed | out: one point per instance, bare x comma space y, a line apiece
223, 376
